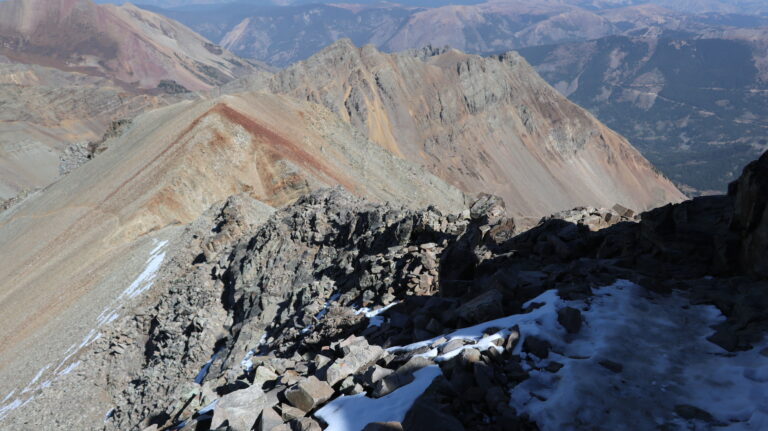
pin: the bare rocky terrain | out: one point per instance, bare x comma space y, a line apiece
300, 319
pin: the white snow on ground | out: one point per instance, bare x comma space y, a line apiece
204, 371
660, 341
499, 328
145, 280
69, 369
353, 413
13, 405
31, 385
667, 362
209, 408
374, 318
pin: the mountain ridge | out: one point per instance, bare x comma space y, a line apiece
409, 103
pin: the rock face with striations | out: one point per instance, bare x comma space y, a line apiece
482, 124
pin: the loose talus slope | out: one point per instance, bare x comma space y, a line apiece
482, 124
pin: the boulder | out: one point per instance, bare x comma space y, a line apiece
263, 375
305, 424
375, 373
242, 408
357, 356
536, 346
268, 420
570, 319
289, 413
623, 211
484, 307
427, 415
452, 345
309, 393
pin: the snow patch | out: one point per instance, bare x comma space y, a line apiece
209, 408
145, 280
8, 408
141, 284
69, 369
353, 413
31, 385
320, 314
374, 318
665, 363
246, 362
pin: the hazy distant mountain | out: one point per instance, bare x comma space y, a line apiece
125, 43
697, 108
281, 35
692, 6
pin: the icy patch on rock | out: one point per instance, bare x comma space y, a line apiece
353, 413
246, 363
642, 359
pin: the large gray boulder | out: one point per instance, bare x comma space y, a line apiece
242, 408
309, 393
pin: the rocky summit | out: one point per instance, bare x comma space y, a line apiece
339, 313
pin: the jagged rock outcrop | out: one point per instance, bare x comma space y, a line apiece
750, 194
338, 296
482, 124
80, 153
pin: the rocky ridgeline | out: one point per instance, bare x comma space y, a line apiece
265, 324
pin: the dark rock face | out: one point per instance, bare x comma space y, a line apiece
750, 194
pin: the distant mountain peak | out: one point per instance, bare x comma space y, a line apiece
126, 43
